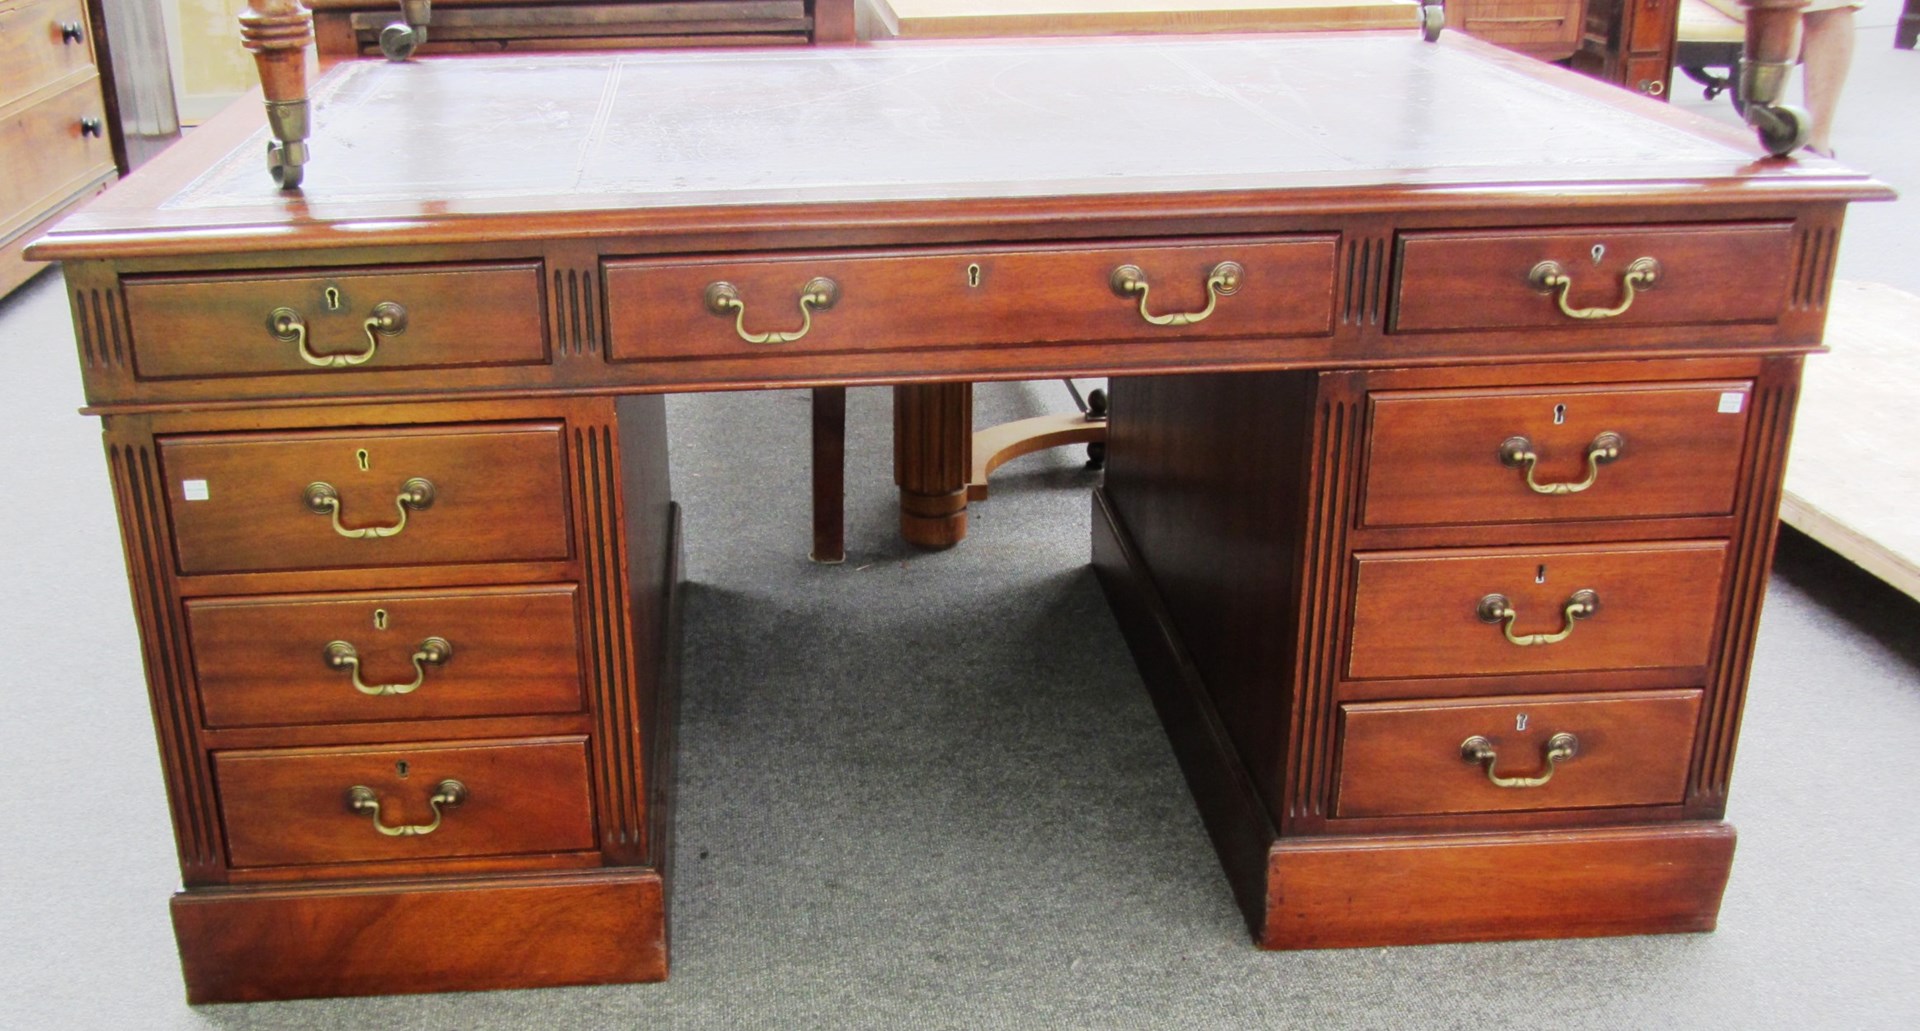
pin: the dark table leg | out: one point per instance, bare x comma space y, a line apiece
829, 474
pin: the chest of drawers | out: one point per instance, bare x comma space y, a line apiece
54, 150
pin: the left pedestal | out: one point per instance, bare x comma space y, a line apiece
412, 669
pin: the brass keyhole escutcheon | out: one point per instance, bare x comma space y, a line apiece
379, 619
973, 275
331, 295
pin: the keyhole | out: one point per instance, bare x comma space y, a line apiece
332, 296
1520, 722
1599, 251
1540, 575
363, 458
379, 619
401, 769
1559, 417
973, 275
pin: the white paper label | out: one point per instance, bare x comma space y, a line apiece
1731, 402
194, 490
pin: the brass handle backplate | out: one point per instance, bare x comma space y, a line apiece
433, 651
448, 794
723, 299
1549, 276
1560, 748
1518, 452
1495, 608
387, 320
415, 494
1224, 280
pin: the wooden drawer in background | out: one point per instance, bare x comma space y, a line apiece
48, 158
276, 661
1480, 278
238, 324
288, 807
1406, 758
1418, 613
883, 302
240, 502
1435, 457
36, 52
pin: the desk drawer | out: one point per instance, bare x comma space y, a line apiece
1413, 758
397, 655
46, 157
1428, 614
968, 298
335, 499
297, 806
1486, 279
1461, 456
39, 44
332, 322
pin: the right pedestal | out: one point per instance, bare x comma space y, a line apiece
1452, 654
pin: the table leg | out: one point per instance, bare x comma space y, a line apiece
829, 474
932, 454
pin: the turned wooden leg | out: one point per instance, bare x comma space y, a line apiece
277, 32
829, 474
932, 454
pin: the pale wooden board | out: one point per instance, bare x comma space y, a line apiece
926, 19
1704, 22
1853, 474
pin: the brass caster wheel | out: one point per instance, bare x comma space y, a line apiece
398, 41
283, 164
1782, 128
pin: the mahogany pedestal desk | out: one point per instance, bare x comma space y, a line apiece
1449, 404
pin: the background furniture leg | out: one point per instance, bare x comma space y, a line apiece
932, 454
829, 474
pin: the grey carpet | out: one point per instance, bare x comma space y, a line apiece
928, 790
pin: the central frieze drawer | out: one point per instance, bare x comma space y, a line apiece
327, 323
288, 807
1682, 275
394, 655
1445, 612
1544, 752
335, 499
1250, 287
1437, 457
